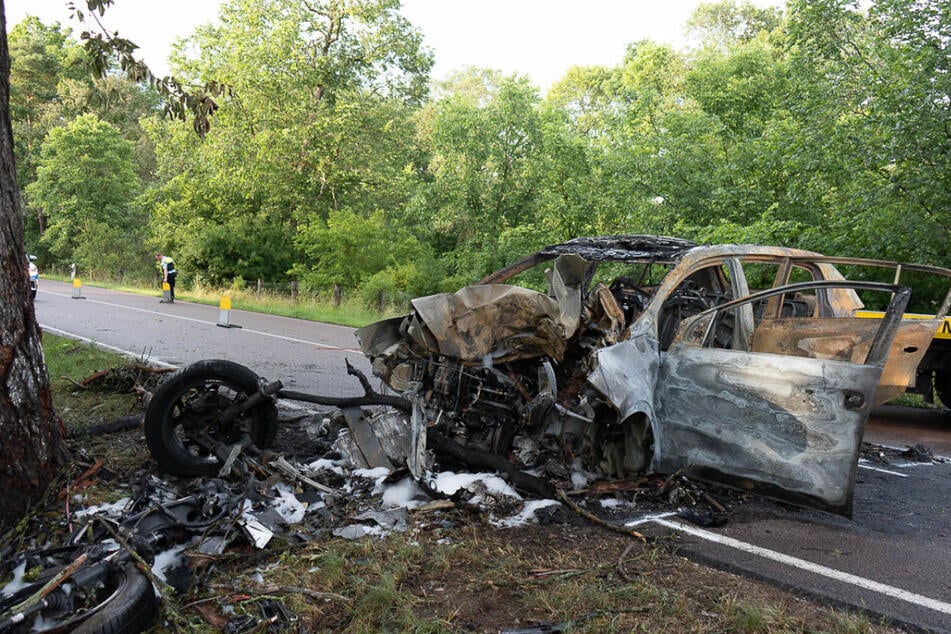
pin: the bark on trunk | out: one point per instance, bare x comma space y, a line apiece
31, 439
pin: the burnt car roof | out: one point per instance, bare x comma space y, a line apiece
621, 248
617, 248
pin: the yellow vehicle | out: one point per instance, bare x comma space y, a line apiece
934, 370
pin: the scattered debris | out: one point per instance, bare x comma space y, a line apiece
895, 455
179, 529
135, 377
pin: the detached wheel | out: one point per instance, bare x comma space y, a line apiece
131, 607
118, 599
183, 420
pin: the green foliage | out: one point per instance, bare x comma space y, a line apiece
483, 174
876, 85
348, 248
40, 57
726, 23
318, 118
823, 128
86, 186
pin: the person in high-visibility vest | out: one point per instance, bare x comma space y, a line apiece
169, 273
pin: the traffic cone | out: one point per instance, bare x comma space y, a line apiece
77, 288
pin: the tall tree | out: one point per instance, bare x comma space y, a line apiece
484, 182
87, 184
875, 80
318, 119
31, 437
722, 25
41, 56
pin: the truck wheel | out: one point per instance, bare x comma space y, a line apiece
183, 417
942, 386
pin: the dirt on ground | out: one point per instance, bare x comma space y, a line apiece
620, 585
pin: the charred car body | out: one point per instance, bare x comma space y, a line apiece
608, 357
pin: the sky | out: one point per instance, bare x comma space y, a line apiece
538, 38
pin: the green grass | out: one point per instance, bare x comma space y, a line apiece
69, 363
104, 400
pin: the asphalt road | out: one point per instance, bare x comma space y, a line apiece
307, 356
893, 558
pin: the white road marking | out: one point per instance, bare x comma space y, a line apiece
127, 353
649, 518
831, 573
894, 473
202, 321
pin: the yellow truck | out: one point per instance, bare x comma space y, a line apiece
934, 370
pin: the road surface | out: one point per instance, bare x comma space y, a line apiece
307, 356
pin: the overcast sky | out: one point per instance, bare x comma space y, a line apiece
539, 38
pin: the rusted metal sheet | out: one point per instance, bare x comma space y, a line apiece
910, 345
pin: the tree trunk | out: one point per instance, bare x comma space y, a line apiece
31, 436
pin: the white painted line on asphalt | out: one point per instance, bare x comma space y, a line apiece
649, 518
871, 468
292, 339
102, 346
831, 573
325, 346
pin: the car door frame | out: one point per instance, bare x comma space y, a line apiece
788, 426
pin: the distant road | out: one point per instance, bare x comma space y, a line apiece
307, 356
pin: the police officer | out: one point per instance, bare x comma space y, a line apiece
169, 273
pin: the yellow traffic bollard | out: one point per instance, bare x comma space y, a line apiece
77, 288
166, 292
224, 313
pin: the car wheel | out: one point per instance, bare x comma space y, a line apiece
183, 417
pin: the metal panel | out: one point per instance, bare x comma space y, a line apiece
790, 423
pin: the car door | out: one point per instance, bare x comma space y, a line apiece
786, 421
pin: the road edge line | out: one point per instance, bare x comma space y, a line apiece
808, 566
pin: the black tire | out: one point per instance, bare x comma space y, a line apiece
130, 608
124, 602
191, 400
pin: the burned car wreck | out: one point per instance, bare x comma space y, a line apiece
609, 357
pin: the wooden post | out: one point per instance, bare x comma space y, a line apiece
381, 301
260, 284
337, 294
294, 291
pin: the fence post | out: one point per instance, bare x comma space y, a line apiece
294, 291
337, 293
260, 283
380, 301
